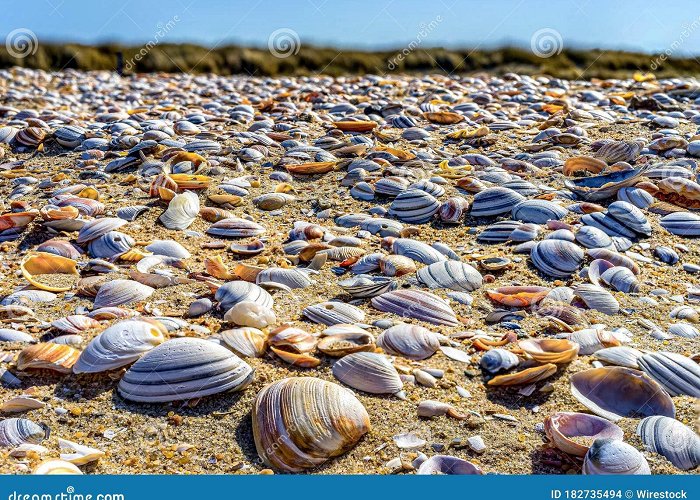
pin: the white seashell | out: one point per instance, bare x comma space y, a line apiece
118, 292
59, 467
181, 212
409, 441
445, 464
95, 228
333, 313
611, 456
417, 250
235, 227
676, 373
369, 372
496, 360
414, 206
253, 314
20, 404
416, 304
233, 292
411, 341
619, 356
293, 278
597, 298
455, 354
450, 274
169, 248
80, 454
9, 335
248, 342
672, 439
556, 258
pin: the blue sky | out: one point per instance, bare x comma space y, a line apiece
648, 26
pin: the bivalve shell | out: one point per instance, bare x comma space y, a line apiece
369, 372
410, 341
417, 304
672, 439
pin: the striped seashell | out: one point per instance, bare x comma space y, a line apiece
597, 298
556, 258
75, 324
538, 211
272, 201
417, 304
410, 341
119, 345
184, 368
365, 286
414, 206
494, 201
248, 342
677, 374
450, 274
235, 228
47, 356
672, 439
679, 191
30, 137
181, 212
417, 250
621, 279
445, 464
608, 224
453, 210
369, 372
496, 360
429, 187
611, 456
362, 191
18, 431
684, 224
630, 216
382, 227
70, 136
619, 356
592, 237
7, 134
391, 186
132, 212
203, 146
333, 313
9, 335
234, 292
635, 196
614, 258
110, 245
602, 187
119, 292
25, 297
667, 255
616, 151
342, 253
591, 340
292, 278
600, 390
522, 187
300, 423
498, 232
86, 206
684, 330
367, 263
98, 227
396, 265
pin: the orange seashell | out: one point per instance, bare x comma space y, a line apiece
470, 184
17, 219
310, 251
190, 181
679, 191
133, 255
443, 117
213, 214
319, 167
246, 272
292, 339
355, 126
583, 164
297, 359
166, 194
399, 153
161, 181
90, 193
529, 376
181, 156
225, 200
39, 263
518, 296
48, 356
550, 350
485, 344
214, 266
50, 212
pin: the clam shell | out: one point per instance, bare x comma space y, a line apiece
496, 360
118, 292
499, 232
39, 263
684, 330
132, 212
617, 392
672, 439
619, 356
614, 258
630, 216
556, 258
169, 248
9, 335
610, 456
17, 431
597, 298
452, 210
364, 286
248, 342
592, 237
293, 278
234, 292
417, 250
602, 187
119, 345
538, 211
494, 201
676, 373
550, 350
416, 304
684, 224
59, 247
410, 341
445, 464
635, 196
527, 376
48, 356
414, 206
591, 340
450, 274
368, 372
562, 426
235, 227
184, 368
110, 245
333, 313
621, 279
667, 255
57, 467
299, 423
181, 212
95, 228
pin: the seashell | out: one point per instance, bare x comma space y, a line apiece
110, 245
235, 227
453, 210
56, 467
617, 392
527, 376
583, 164
556, 258
333, 313
234, 292
619, 356
498, 232
684, 330
592, 237
597, 298
75, 324
345, 339
667, 255
368, 372
605, 186
414, 206
621, 279
416, 304
381, 226
684, 224
494, 201
538, 211
247, 249
410, 341
272, 201
184, 368
443, 117
119, 292
450, 274
20, 404
312, 168
247, 342
119, 345
362, 191
293, 278
132, 212
676, 373
301, 422
391, 186
670, 438
635, 196
365, 286
18, 431
591, 340
445, 464
611, 456
59, 247
9, 335
47, 356
518, 296
679, 191
609, 225
80, 454
562, 426
417, 250
614, 258
253, 314
496, 360
429, 408
429, 187
617, 151
630, 216
181, 212
95, 228
39, 264
290, 338
169, 248
550, 350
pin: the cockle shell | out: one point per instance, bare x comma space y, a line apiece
676, 373
617, 392
301, 422
39, 263
48, 356
119, 345
611, 456
414, 206
550, 350
411, 341
450, 274
562, 426
184, 368
369, 372
556, 258
416, 304
527, 376
333, 313
17, 431
249, 313
445, 464
118, 292
75, 324
494, 201
672, 439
